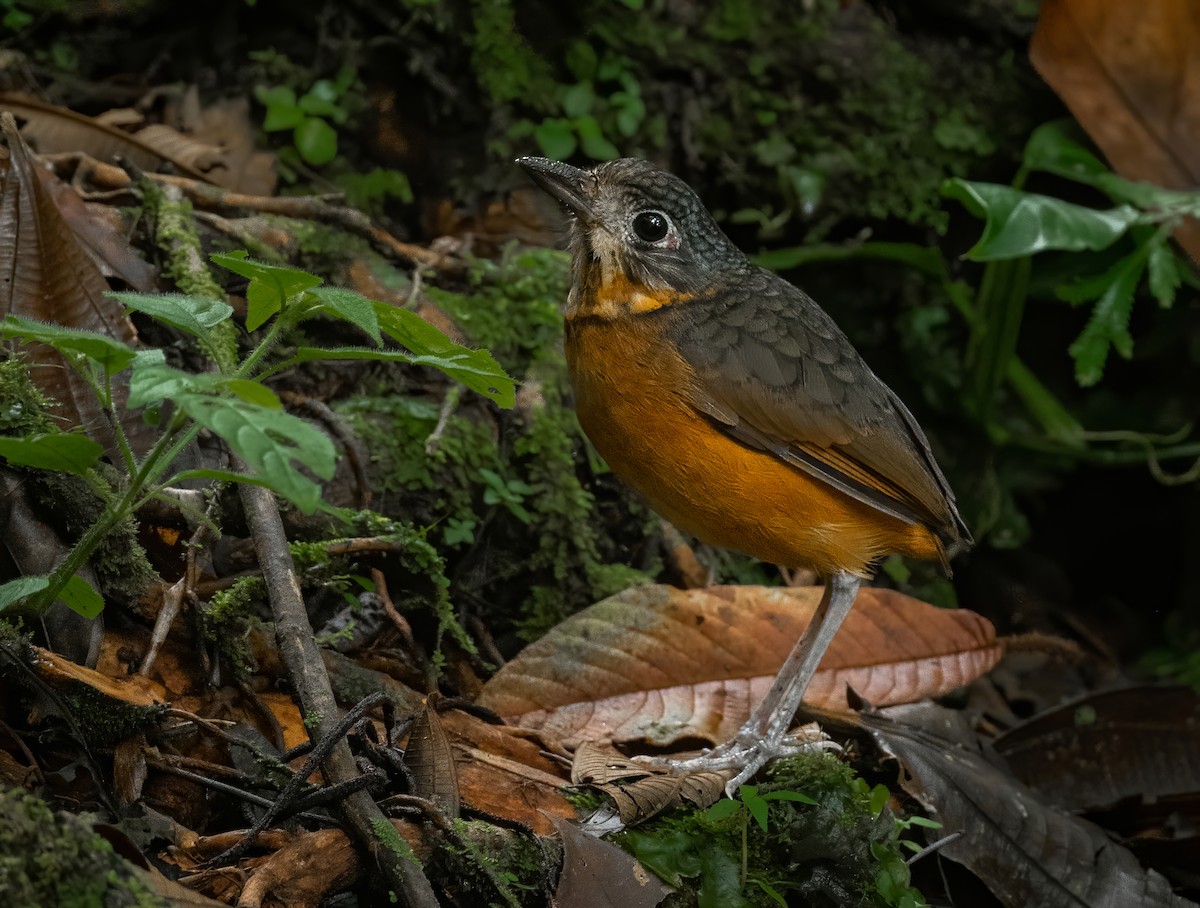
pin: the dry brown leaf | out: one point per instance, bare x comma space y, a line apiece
45, 274
598, 874
660, 664
639, 790
431, 761
1130, 73
506, 775
57, 130
226, 125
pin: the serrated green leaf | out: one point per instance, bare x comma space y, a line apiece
111, 355
348, 306
65, 452
273, 443
271, 286
474, 368
1163, 272
193, 314
16, 590
1108, 326
1022, 223
152, 380
80, 596
316, 141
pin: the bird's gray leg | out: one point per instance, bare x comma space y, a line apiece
762, 738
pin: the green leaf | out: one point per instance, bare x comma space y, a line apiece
880, 795
273, 443
193, 314
271, 286
722, 810
348, 306
720, 879
80, 596
1022, 223
65, 452
111, 355
927, 259
282, 110
772, 892
1163, 272
1108, 326
316, 141
1052, 148
755, 804
670, 855
577, 100
22, 587
321, 101
555, 138
152, 380
254, 392
474, 368
790, 796
593, 142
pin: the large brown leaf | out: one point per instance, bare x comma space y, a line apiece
1130, 73
1139, 742
1030, 854
46, 274
662, 664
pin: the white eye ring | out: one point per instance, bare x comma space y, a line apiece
651, 226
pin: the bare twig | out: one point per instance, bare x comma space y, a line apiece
297, 645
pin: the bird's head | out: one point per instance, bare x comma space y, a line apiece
634, 222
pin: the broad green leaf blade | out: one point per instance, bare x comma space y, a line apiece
411, 331
271, 286
1052, 148
1109, 323
152, 380
62, 451
316, 141
219, 476
111, 355
1022, 223
254, 392
474, 368
723, 809
348, 306
755, 804
80, 596
193, 314
273, 443
16, 590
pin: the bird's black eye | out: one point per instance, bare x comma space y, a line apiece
651, 226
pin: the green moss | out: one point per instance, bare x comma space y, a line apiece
23, 408
483, 864
844, 850
74, 504
50, 860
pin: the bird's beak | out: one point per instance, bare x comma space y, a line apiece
564, 182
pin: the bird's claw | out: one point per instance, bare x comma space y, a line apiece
749, 752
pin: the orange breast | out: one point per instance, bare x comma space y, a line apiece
631, 398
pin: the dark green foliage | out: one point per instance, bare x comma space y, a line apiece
50, 860
775, 846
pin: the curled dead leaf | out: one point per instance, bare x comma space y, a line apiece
662, 665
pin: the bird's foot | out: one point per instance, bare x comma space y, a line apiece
750, 751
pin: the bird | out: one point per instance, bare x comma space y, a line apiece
739, 410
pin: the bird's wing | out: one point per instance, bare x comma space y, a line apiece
776, 373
